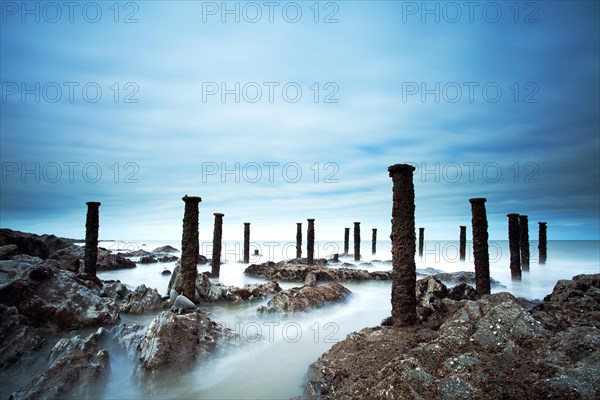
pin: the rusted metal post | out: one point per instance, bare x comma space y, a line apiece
310, 242
190, 247
92, 224
481, 253
216, 251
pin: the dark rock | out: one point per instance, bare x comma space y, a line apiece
27, 243
165, 259
45, 293
148, 260
7, 251
492, 347
136, 253
165, 272
114, 290
462, 277
202, 259
182, 303
306, 298
294, 271
11, 269
77, 366
142, 300
165, 249
19, 340
69, 258
173, 344
112, 262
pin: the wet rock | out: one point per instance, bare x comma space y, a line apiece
182, 304
489, 347
148, 260
165, 249
136, 253
7, 251
294, 271
173, 344
213, 292
114, 290
11, 269
142, 300
202, 259
165, 272
112, 262
306, 298
462, 277
45, 293
19, 340
77, 366
70, 258
27, 243
166, 259
129, 336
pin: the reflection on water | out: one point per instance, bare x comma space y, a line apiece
275, 351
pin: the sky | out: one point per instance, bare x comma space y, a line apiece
275, 112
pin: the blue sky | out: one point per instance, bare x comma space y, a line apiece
139, 107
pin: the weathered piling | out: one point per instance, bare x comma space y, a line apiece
463, 242
310, 241
298, 239
336, 257
524, 241
421, 239
357, 241
216, 251
542, 242
92, 223
513, 242
374, 242
190, 247
346, 240
246, 242
481, 254
404, 277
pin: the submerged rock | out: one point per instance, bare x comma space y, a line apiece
492, 347
77, 365
173, 344
294, 271
306, 298
165, 249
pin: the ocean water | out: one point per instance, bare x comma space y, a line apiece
274, 352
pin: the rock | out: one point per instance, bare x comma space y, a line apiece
45, 293
165, 272
148, 260
112, 262
166, 259
183, 303
19, 340
173, 295
7, 251
27, 243
165, 249
202, 260
492, 347
114, 290
142, 300
70, 258
294, 271
173, 344
136, 253
54, 243
212, 292
462, 277
77, 365
129, 336
306, 298
11, 269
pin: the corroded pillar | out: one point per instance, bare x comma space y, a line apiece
216, 252
542, 242
247, 242
404, 276
92, 223
374, 242
298, 239
513, 242
357, 241
481, 253
463, 242
190, 247
310, 242
346, 240
524, 241
421, 239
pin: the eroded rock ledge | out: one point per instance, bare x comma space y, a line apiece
489, 348
296, 270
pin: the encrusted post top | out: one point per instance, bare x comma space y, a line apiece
191, 199
246, 223
93, 203
393, 169
298, 223
522, 216
512, 215
218, 214
463, 226
357, 223
478, 200
374, 229
310, 219
542, 223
